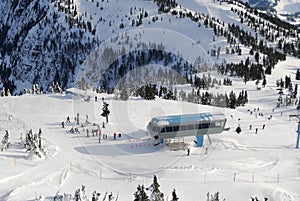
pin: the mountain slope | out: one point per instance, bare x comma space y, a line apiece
45, 42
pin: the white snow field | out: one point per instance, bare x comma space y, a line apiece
239, 166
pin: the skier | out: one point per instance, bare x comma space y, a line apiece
115, 135
99, 138
87, 118
250, 127
188, 151
68, 119
110, 197
87, 133
77, 118
40, 138
263, 127
62, 124
256, 130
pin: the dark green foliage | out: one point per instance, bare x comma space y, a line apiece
295, 91
264, 82
147, 92
287, 82
298, 74
232, 100
140, 194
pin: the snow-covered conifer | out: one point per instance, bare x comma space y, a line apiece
5, 141
156, 195
140, 194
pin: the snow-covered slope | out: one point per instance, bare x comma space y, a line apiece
46, 41
288, 10
239, 166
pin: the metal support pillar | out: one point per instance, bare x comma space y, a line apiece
298, 138
209, 139
298, 131
200, 140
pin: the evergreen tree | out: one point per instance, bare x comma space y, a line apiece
256, 56
232, 100
298, 74
105, 111
287, 82
295, 91
264, 82
3, 92
156, 195
246, 97
124, 94
140, 194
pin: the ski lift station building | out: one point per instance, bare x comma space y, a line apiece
176, 126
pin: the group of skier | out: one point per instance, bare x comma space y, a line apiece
257, 113
89, 131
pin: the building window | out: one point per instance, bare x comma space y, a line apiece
183, 128
176, 128
204, 126
169, 129
191, 127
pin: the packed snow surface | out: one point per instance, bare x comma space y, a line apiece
239, 166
